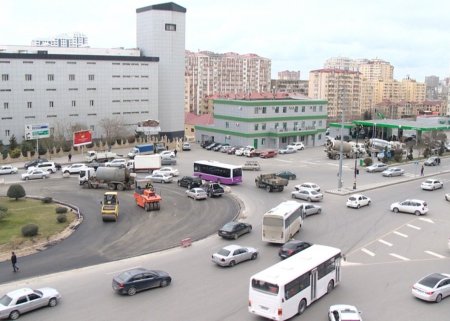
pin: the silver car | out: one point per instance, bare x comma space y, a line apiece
310, 209
35, 174
197, 193
308, 195
433, 287
233, 254
8, 169
20, 301
393, 171
160, 177
377, 167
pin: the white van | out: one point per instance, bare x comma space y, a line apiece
49, 167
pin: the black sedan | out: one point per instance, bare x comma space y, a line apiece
139, 279
233, 230
287, 175
34, 162
292, 247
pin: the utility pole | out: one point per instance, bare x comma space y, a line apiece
341, 150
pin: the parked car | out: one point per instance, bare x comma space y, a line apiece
342, 312
232, 150
73, 168
8, 169
268, 154
432, 161
287, 150
20, 301
138, 279
213, 189
211, 146
197, 193
118, 162
217, 147
233, 230
287, 175
206, 144
239, 151
292, 247
447, 197
433, 287
168, 170
308, 195
308, 186
160, 177
251, 166
417, 207
298, 145
186, 146
34, 162
35, 174
393, 171
189, 182
377, 167
168, 161
310, 209
224, 149
233, 254
431, 184
167, 153
50, 167
358, 200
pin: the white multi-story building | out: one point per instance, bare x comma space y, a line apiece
74, 40
64, 86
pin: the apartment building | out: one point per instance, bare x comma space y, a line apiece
289, 75
74, 40
209, 73
290, 86
266, 123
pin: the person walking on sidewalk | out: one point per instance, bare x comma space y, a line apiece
421, 171
70, 157
14, 262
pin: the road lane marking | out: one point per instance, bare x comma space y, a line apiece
435, 254
400, 234
368, 252
428, 220
399, 257
283, 160
413, 226
385, 242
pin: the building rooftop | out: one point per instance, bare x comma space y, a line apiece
193, 119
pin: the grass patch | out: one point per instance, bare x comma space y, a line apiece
26, 211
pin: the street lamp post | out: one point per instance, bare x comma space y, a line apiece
358, 128
341, 151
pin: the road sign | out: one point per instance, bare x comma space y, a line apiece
37, 131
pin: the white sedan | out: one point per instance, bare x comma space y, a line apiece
8, 169
341, 312
358, 200
309, 186
35, 174
167, 153
197, 193
168, 170
233, 254
431, 184
73, 168
307, 195
160, 177
393, 171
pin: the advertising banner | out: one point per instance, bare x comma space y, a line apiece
82, 137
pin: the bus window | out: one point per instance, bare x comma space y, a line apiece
265, 287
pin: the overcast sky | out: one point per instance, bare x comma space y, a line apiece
413, 35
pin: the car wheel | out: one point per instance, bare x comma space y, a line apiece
439, 298
236, 236
309, 199
189, 186
164, 283
292, 195
249, 229
395, 210
268, 189
330, 286
368, 203
417, 213
131, 291
14, 315
302, 306
254, 256
147, 207
359, 205
232, 263
319, 211
27, 178
179, 184
52, 302
66, 172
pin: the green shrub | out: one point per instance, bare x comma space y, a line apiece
368, 161
47, 200
61, 218
15, 153
16, 191
61, 210
30, 230
3, 214
3, 208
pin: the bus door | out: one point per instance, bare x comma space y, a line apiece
313, 284
337, 266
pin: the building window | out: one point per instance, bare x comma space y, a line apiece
285, 126
28, 77
320, 123
5, 77
296, 125
277, 109
92, 128
276, 125
227, 124
264, 110
5, 105
283, 139
256, 126
296, 109
303, 124
263, 141
91, 102
263, 126
7, 132
171, 27
284, 109
303, 109
50, 104
29, 104
319, 137
71, 77
50, 77
74, 103
314, 108
320, 108
91, 77
256, 110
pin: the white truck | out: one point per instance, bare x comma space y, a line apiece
349, 149
93, 155
146, 163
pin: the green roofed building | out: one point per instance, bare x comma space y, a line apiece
266, 123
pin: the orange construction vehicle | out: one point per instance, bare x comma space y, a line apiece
145, 196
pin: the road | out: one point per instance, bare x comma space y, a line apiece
385, 254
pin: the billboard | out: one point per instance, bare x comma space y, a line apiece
37, 131
148, 127
82, 137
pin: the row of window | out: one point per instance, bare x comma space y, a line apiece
51, 103
74, 63
284, 109
76, 89
284, 125
91, 77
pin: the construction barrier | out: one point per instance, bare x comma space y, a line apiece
186, 242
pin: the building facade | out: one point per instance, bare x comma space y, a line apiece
290, 86
266, 123
75, 40
289, 75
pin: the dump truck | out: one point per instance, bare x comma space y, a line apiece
145, 196
110, 207
111, 177
349, 149
271, 182
103, 156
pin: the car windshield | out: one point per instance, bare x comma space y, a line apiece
314, 193
5, 300
428, 181
223, 252
352, 198
291, 245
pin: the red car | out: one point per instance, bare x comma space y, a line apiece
268, 154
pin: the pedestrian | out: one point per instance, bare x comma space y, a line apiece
438, 161
175, 152
421, 171
70, 157
14, 262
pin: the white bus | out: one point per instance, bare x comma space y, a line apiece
282, 222
288, 287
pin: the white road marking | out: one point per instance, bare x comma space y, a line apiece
385, 242
399, 257
400, 234
435, 254
413, 226
283, 160
428, 220
368, 252
312, 163
334, 164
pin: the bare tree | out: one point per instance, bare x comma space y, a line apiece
113, 129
